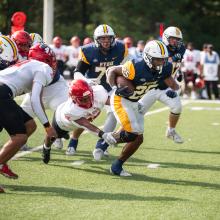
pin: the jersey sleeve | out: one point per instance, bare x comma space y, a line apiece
128, 70
82, 56
43, 76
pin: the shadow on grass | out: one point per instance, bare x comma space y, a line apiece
185, 150
178, 165
82, 194
138, 177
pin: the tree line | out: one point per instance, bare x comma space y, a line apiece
199, 20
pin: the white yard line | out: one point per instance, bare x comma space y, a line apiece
184, 102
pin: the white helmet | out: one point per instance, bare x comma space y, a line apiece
101, 31
36, 38
8, 52
171, 32
155, 49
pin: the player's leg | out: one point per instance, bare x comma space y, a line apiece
11, 119
53, 96
48, 142
132, 121
73, 143
148, 100
175, 111
109, 126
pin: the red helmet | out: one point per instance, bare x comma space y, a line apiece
43, 53
87, 40
23, 42
128, 41
81, 93
57, 41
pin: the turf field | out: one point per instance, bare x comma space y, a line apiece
184, 183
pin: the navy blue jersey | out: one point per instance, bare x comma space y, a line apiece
143, 78
175, 57
99, 62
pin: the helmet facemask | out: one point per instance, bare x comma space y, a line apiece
84, 101
174, 42
105, 42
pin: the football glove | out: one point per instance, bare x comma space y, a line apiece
171, 93
177, 57
108, 138
124, 92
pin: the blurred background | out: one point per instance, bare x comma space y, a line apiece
199, 20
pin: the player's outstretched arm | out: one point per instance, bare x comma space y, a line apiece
85, 123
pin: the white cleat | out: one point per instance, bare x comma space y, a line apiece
122, 173
97, 154
58, 143
106, 153
174, 136
70, 151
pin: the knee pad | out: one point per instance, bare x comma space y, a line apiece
126, 137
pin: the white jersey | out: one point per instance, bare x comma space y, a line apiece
210, 66
73, 54
190, 60
20, 77
59, 52
21, 58
68, 111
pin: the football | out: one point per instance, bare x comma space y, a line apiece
122, 82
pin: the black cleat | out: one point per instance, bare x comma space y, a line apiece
46, 155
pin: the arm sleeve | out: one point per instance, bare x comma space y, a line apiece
36, 102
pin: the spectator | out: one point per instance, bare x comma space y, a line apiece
137, 53
72, 54
210, 69
128, 41
87, 40
191, 61
60, 52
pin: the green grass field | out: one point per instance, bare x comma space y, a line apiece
185, 185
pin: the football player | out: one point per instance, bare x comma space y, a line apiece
84, 105
172, 38
28, 76
145, 75
94, 60
8, 56
49, 97
23, 42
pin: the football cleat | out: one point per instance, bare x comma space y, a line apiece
97, 154
46, 155
58, 143
122, 173
106, 153
7, 172
174, 136
70, 151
